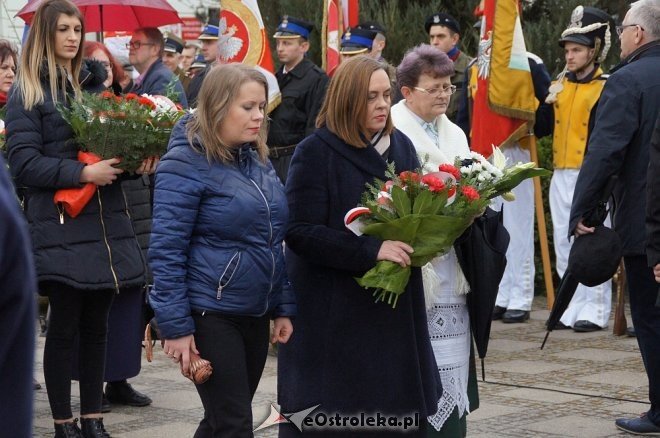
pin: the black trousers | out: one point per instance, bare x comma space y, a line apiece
237, 347
646, 319
76, 312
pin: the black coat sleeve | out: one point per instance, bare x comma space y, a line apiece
544, 113
25, 144
314, 101
653, 199
617, 119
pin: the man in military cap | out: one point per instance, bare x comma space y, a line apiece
172, 58
302, 86
357, 41
377, 47
573, 98
445, 33
209, 41
197, 66
380, 39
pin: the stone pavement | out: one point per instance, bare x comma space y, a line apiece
575, 387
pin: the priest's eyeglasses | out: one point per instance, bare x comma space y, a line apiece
448, 90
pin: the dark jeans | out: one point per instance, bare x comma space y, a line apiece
237, 347
76, 312
646, 319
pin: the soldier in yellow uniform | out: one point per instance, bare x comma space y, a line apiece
574, 97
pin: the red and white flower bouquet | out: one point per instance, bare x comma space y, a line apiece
429, 212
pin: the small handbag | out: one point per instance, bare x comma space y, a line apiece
200, 369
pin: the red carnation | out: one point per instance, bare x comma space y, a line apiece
470, 193
131, 96
146, 102
435, 184
107, 95
409, 177
450, 169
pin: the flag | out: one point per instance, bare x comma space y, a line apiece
337, 16
242, 38
504, 102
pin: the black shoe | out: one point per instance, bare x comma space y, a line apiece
36, 385
638, 426
68, 430
584, 326
561, 326
93, 428
498, 311
512, 316
630, 332
105, 405
122, 393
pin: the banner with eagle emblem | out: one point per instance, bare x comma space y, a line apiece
242, 38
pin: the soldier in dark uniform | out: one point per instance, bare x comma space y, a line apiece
209, 40
172, 57
302, 85
445, 34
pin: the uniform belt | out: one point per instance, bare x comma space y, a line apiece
281, 151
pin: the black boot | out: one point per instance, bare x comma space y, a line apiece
93, 428
68, 430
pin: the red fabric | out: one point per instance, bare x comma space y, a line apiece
110, 15
3, 99
488, 127
74, 200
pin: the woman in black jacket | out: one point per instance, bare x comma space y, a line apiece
81, 262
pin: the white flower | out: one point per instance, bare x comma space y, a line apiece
498, 158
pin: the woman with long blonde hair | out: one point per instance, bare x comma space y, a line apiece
216, 251
81, 262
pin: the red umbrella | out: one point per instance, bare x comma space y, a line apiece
115, 15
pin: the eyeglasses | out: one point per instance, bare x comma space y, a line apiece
448, 90
619, 29
137, 44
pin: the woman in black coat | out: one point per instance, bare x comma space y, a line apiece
83, 261
348, 353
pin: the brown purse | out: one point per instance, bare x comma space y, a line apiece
200, 369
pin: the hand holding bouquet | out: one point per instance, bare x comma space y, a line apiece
429, 212
130, 127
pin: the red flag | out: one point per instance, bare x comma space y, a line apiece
337, 16
504, 101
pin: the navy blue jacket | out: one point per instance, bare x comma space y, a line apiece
619, 145
17, 296
216, 238
156, 80
348, 353
97, 249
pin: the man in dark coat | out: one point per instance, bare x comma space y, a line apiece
17, 290
302, 85
619, 145
145, 53
653, 204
